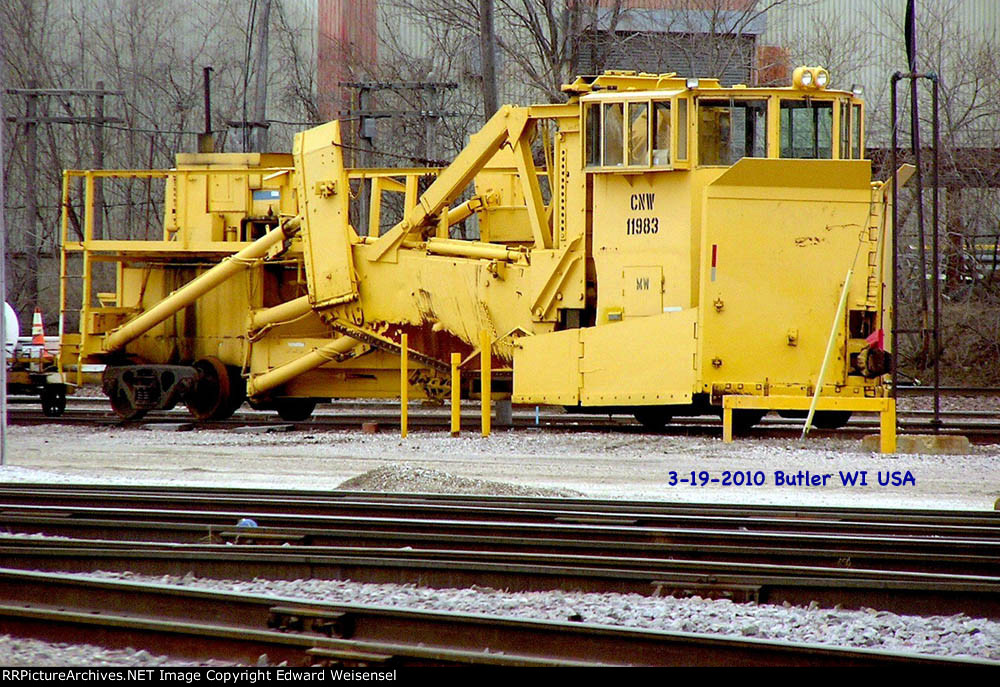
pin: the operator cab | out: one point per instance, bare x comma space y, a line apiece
638, 123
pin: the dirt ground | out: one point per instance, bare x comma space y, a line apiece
632, 466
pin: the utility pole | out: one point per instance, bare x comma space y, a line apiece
31, 119
99, 162
487, 48
367, 120
3, 279
260, 90
206, 142
366, 135
31, 199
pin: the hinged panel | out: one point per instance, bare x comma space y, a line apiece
642, 290
323, 202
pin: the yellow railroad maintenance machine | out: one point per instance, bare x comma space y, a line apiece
655, 245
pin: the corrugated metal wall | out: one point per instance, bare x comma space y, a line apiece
862, 42
857, 40
346, 48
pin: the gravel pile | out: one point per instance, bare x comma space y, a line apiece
411, 478
24, 653
957, 635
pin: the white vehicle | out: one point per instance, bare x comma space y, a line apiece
12, 330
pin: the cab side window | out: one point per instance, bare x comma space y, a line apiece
638, 134
806, 129
729, 130
661, 134
614, 125
592, 142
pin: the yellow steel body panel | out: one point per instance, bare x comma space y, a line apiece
548, 368
456, 295
643, 225
324, 193
596, 366
665, 345
783, 233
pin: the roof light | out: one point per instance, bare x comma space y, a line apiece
802, 77
691, 82
810, 77
858, 90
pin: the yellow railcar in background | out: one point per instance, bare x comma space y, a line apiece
651, 246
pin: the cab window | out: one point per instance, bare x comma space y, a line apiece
614, 125
661, 134
806, 129
593, 135
845, 131
638, 135
731, 129
857, 132
682, 129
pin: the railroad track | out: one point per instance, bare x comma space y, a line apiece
911, 562
978, 426
202, 624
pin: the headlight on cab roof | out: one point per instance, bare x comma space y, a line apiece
810, 78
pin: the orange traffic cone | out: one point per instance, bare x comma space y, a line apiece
38, 337
37, 329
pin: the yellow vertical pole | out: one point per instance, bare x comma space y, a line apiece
456, 394
727, 421
485, 375
63, 234
887, 426
404, 363
87, 271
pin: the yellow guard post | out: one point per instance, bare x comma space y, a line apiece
404, 373
456, 394
885, 407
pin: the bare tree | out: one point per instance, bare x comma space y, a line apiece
153, 51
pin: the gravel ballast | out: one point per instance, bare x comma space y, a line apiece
603, 465
957, 635
600, 465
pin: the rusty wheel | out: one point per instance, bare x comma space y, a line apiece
295, 409
123, 406
210, 398
745, 420
653, 418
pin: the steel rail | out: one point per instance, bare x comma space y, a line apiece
925, 554
445, 517
387, 418
332, 632
929, 556
901, 592
976, 433
83, 493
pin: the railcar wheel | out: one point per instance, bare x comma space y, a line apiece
237, 389
122, 405
744, 420
653, 418
211, 398
822, 419
831, 419
53, 400
295, 409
